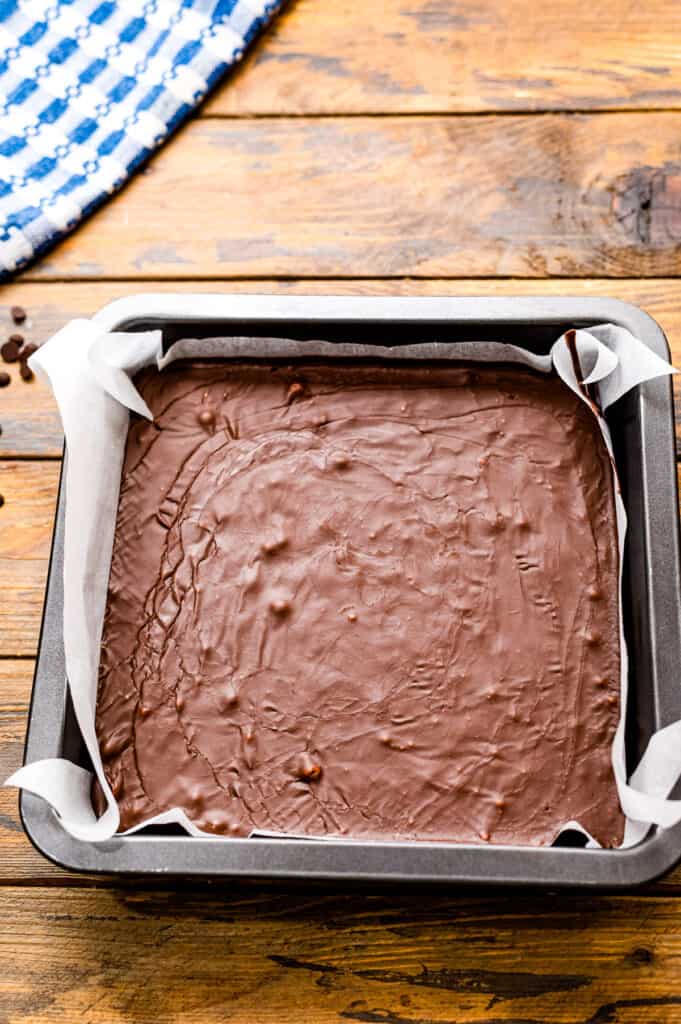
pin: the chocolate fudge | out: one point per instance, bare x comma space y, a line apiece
376, 601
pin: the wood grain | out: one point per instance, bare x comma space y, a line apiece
305, 953
29, 490
544, 196
29, 423
19, 860
395, 56
28, 418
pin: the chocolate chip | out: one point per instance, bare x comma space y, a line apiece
339, 460
195, 799
18, 314
271, 545
2, 500
10, 351
280, 606
26, 372
306, 769
27, 351
18, 339
228, 698
249, 748
5, 379
296, 390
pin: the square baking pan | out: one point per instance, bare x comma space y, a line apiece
642, 426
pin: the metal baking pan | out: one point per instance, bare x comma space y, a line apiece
642, 425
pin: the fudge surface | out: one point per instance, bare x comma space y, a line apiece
374, 601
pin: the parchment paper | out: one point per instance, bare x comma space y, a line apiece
90, 373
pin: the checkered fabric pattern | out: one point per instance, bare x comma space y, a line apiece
88, 89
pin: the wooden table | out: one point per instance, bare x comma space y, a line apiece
366, 146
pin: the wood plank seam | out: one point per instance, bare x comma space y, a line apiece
459, 115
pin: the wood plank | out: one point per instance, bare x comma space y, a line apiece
29, 420
398, 956
19, 860
390, 56
29, 490
550, 196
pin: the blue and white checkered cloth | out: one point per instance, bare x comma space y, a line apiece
88, 89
